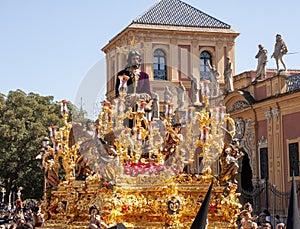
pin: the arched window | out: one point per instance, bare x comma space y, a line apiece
205, 60
159, 65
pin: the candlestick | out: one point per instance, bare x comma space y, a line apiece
64, 108
123, 84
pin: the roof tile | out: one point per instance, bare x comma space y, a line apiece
178, 13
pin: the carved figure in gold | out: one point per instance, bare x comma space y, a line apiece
51, 170
247, 219
81, 168
172, 141
229, 162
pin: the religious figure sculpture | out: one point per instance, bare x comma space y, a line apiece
51, 171
239, 128
138, 81
228, 76
133, 85
280, 49
180, 89
168, 95
195, 87
229, 162
96, 153
155, 105
214, 76
262, 59
172, 140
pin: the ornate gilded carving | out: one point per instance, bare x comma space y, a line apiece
129, 178
229, 162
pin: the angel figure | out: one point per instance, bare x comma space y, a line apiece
229, 162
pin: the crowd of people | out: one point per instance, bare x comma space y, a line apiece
261, 221
30, 217
27, 217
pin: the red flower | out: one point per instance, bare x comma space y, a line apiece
134, 169
125, 207
212, 207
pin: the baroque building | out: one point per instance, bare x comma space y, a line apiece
266, 114
176, 41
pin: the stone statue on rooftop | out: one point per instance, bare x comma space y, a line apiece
155, 106
262, 59
280, 49
195, 87
228, 76
214, 76
180, 89
168, 95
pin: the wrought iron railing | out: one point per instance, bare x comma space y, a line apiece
160, 74
293, 83
266, 196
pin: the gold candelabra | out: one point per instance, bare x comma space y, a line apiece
135, 179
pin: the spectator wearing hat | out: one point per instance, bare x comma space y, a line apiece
262, 221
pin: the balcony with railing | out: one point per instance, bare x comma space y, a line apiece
160, 74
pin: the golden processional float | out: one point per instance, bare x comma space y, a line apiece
132, 167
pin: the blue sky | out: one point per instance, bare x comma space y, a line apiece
53, 47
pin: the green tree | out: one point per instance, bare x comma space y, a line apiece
24, 122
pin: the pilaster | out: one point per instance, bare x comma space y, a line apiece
219, 56
230, 54
195, 58
173, 76
268, 115
148, 57
277, 168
